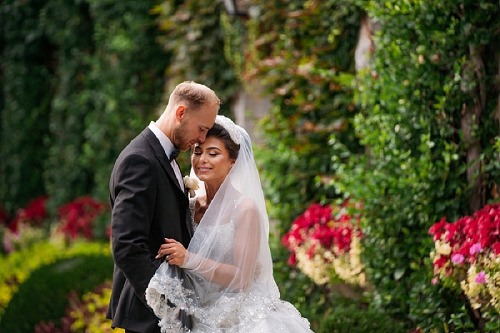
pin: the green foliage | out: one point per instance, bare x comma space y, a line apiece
119, 74
412, 122
26, 81
192, 33
313, 301
305, 61
24, 238
16, 267
89, 313
82, 78
355, 320
50, 286
84, 314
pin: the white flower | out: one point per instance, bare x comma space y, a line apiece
191, 184
443, 248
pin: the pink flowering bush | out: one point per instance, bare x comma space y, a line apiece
466, 255
325, 244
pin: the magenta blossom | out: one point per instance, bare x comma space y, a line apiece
457, 258
434, 280
481, 277
476, 248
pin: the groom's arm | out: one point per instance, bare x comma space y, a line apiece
132, 215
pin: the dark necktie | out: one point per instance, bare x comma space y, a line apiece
174, 154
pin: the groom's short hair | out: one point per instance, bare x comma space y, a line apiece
194, 95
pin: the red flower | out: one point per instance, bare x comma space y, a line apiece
496, 248
482, 228
441, 261
328, 227
78, 217
35, 213
438, 229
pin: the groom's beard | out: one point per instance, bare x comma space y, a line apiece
181, 141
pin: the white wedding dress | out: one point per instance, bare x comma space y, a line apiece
258, 309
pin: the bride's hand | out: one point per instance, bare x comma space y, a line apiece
173, 251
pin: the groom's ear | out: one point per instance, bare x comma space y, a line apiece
180, 113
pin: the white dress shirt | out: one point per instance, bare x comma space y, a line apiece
168, 146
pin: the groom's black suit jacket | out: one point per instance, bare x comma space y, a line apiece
147, 206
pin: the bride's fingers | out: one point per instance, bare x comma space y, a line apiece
162, 253
170, 241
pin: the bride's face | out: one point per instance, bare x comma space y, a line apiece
210, 161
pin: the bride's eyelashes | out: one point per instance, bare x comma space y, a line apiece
210, 154
212, 151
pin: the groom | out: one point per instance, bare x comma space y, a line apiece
149, 203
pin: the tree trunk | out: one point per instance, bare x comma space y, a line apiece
473, 74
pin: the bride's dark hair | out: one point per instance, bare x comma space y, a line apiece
217, 131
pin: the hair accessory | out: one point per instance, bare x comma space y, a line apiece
230, 127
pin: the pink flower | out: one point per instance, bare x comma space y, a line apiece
481, 277
434, 281
476, 248
457, 258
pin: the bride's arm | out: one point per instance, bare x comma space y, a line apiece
245, 252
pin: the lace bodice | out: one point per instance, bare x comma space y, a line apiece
225, 231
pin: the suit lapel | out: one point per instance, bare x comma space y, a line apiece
161, 156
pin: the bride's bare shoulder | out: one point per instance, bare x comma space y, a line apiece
247, 209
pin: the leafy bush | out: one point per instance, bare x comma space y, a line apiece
23, 238
191, 31
4, 216
44, 295
355, 320
312, 300
85, 314
16, 267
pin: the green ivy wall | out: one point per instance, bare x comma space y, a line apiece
79, 80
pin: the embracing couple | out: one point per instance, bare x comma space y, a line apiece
199, 264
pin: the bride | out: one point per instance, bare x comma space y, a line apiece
224, 279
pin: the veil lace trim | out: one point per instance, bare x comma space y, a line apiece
231, 311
